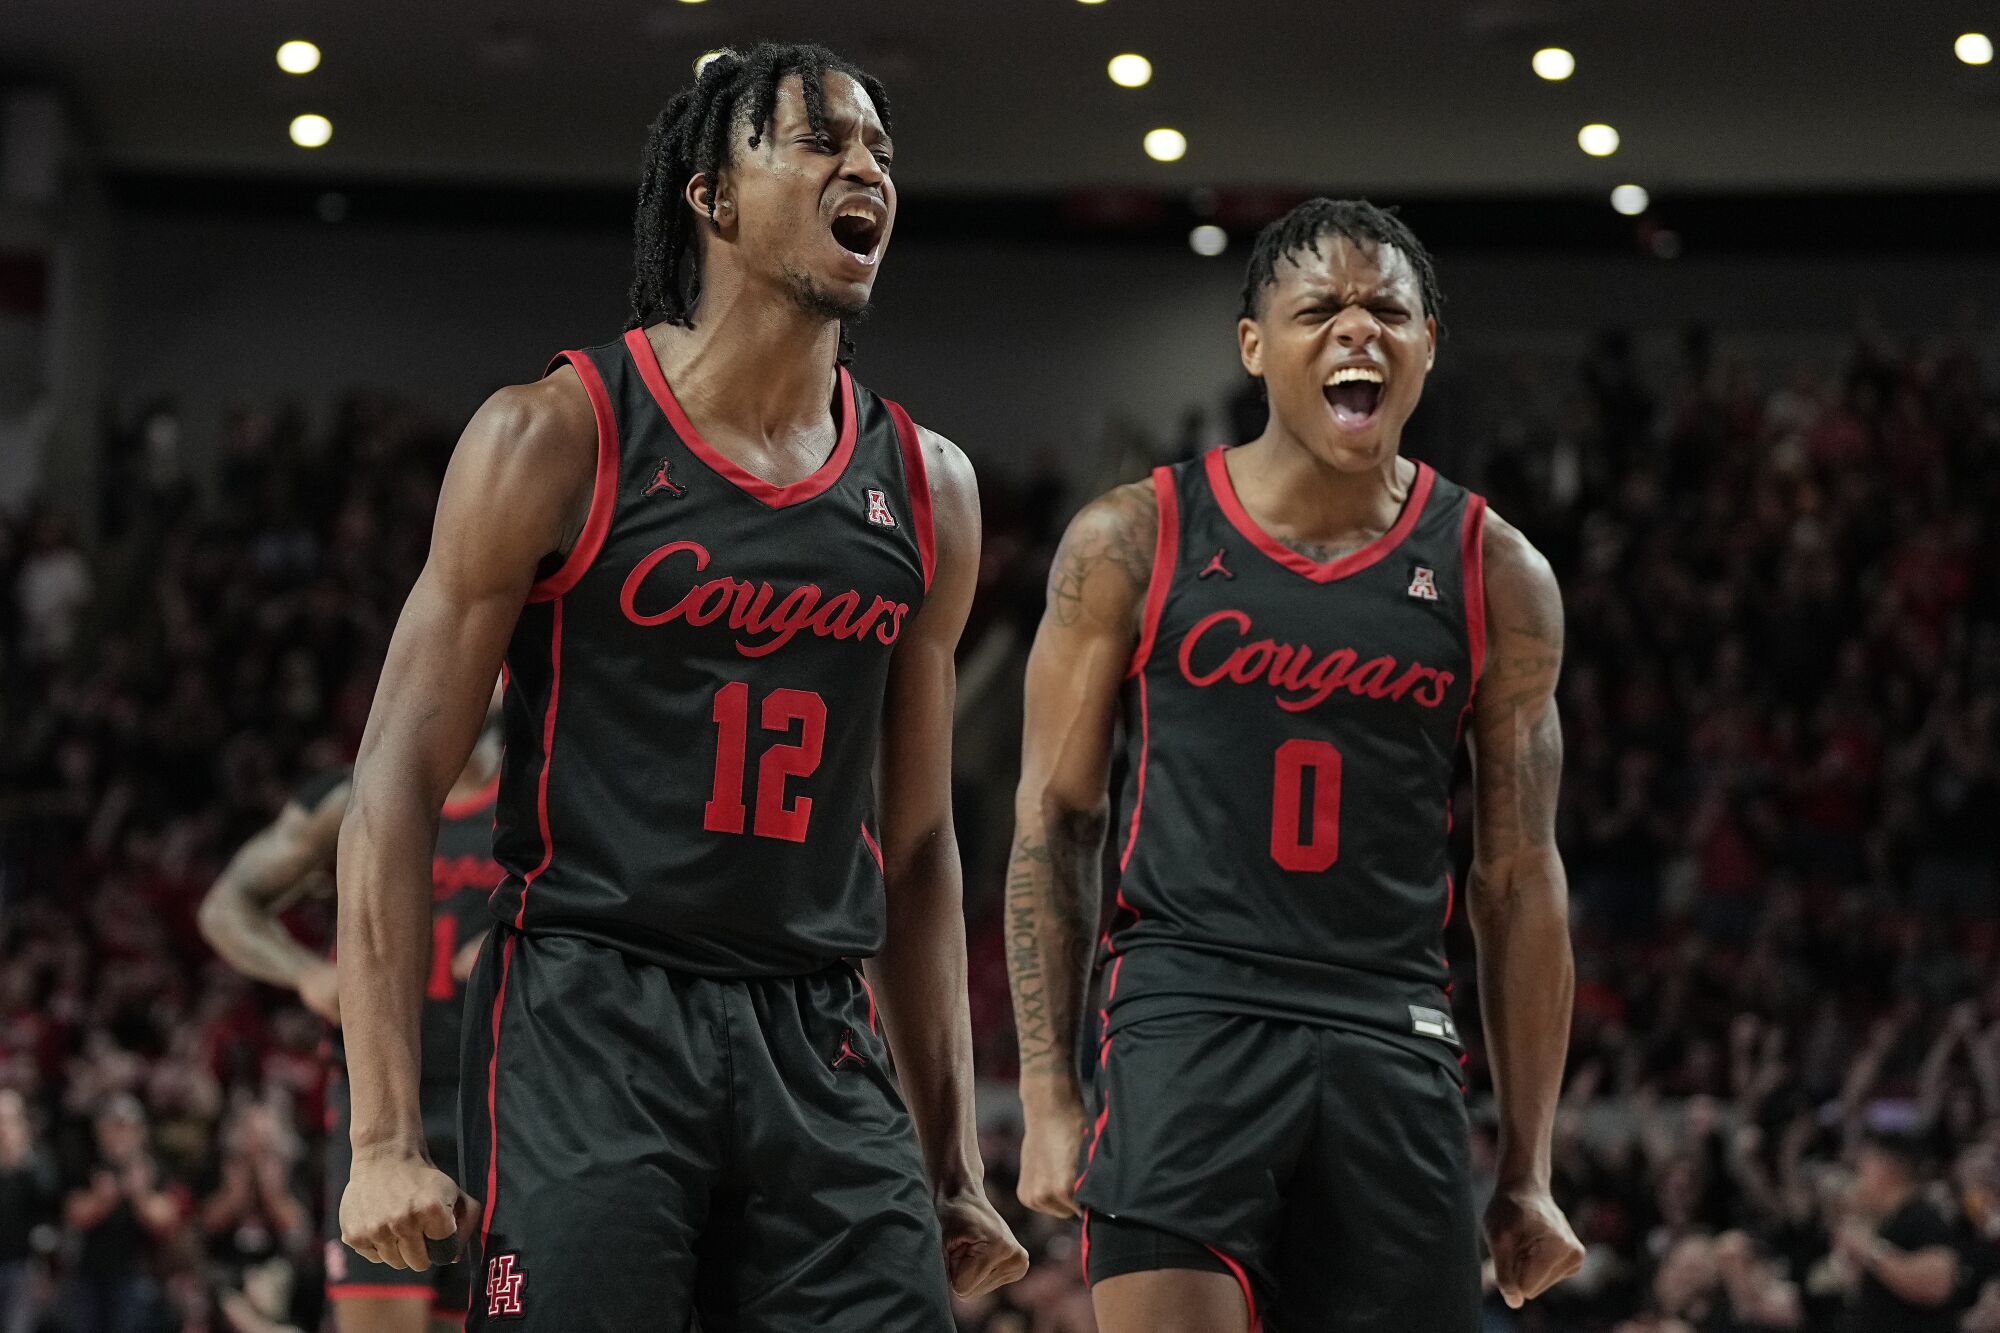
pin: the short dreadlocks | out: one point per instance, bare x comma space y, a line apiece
1356, 219
694, 136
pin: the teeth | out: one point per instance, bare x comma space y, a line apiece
1349, 374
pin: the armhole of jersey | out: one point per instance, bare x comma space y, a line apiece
917, 478
603, 492
1472, 573
1166, 551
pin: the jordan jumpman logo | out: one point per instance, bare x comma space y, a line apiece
1215, 565
848, 1057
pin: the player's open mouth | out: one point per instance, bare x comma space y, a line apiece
858, 226
1354, 393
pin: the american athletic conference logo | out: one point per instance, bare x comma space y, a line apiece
878, 509
505, 1280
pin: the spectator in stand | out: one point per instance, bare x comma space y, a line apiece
27, 1208
1898, 1250
116, 1220
257, 1213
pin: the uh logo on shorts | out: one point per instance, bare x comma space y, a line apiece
504, 1280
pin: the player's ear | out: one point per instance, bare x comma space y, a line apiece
702, 192
1250, 344
1430, 342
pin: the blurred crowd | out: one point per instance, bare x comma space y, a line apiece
1782, 710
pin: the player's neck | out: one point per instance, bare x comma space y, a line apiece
1283, 483
753, 366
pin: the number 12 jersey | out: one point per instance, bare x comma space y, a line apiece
1291, 730
695, 695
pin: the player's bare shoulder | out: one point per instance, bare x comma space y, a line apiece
953, 482
547, 428
530, 453
1105, 561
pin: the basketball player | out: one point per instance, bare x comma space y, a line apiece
1295, 631
709, 559
293, 858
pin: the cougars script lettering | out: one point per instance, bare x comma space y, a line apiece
1303, 678
806, 609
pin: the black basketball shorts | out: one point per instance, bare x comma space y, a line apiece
350, 1277
1326, 1169
652, 1146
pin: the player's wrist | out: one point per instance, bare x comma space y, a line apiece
1054, 1095
961, 1176
401, 1145
1521, 1179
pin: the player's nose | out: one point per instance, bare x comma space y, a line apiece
859, 164
1355, 327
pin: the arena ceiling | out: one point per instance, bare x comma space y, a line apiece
1418, 96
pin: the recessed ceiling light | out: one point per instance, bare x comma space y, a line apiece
1165, 145
1631, 200
1130, 71
1974, 48
298, 57
1208, 240
311, 130
1554, 64
1597, 140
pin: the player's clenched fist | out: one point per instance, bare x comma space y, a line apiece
1532, 1244
1048, 1159
401, 1211
980, 1253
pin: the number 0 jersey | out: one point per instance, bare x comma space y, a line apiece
1292, 727
694, 697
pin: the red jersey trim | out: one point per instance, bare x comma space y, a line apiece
1472, 573
874, 848
1166, 553
1319, 572
918, 478
735, 474
548, 760
603, 492
492, 1096
1139, 778
1243, 1281
480, 800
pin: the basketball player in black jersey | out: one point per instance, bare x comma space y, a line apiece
1296, 632
240, 918
726, 580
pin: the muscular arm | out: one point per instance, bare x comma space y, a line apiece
1097, 588
1518, 900
919, 976
239, 917
522, 469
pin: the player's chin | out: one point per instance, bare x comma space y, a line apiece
1346, 451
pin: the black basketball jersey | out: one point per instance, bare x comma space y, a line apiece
1292, 727
694, 697
463, 874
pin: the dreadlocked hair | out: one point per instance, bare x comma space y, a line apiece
1356, 219
694, 136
